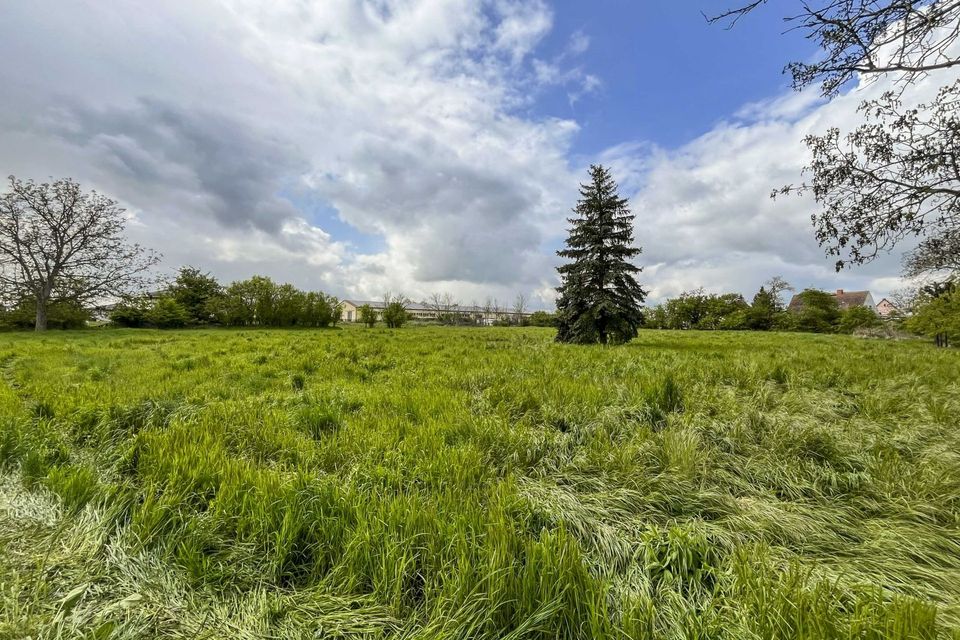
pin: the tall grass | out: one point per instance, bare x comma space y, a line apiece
447, 483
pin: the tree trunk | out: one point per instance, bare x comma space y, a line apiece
41, 324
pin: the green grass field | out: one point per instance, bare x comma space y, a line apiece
477, 483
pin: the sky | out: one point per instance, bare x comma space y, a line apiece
360, 147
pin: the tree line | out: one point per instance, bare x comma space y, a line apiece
195, 298
893, 177
600, 300
815, 312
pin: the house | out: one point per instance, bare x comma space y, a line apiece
887, 309
845, 300
350, 312
102, 311
848, 299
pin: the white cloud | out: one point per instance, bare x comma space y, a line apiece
215, 122
579, 43
704, 212
521, 26
208, 121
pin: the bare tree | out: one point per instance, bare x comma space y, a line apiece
474, 315
498, 310
445, 306
905, 298
59, 244
777, 285
519, 309
487, 311
898, 174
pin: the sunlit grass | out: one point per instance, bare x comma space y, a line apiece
477, 483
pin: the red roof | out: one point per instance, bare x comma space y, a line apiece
845, 299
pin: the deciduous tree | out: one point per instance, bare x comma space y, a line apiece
938, 316
898, 174
520, 309
936, 254
817, 312
59, 244
445, 306
193, 290
367, 315
776, 286
395, 313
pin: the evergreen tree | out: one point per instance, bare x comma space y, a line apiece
600, 298
762, 312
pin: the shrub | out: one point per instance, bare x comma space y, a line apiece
735, 321
395, 315
60, 315
167, 313
817, 312
367, 315
542, 319
129, 314
857, 317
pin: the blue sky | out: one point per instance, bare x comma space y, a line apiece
422, 146
667, 75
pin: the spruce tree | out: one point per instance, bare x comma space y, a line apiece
600, 299
762, 312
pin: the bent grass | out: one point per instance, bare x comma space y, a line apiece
485, 483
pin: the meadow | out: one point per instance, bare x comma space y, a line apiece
477, 483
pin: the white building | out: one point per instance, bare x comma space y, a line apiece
350, 312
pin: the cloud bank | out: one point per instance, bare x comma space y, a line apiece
360, 147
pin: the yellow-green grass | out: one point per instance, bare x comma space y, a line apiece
477, 483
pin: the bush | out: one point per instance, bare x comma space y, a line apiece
395, 315
736, 321
817, 313
167, 313
542, 319
129, 314
856, 318
367, 315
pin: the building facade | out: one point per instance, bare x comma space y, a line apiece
350, 312
887, 309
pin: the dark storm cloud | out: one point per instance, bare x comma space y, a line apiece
229, 170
